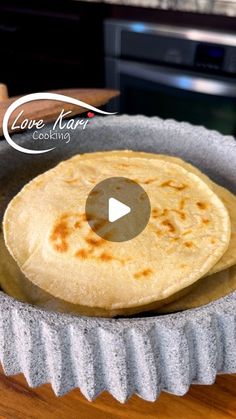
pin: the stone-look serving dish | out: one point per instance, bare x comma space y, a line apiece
143, 354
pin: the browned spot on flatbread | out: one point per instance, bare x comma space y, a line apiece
65, 216
150, 180
182, 204
68, 215
61, 247
63, 228
59, 236
155, 213
90, 251
83, 253
106, 257
143, 274
92, 241
188, 244
60, 231
103, 257
174, 185
205, 221
202, 205
165, 212
168, 223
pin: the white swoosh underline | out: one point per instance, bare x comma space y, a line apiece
42, 96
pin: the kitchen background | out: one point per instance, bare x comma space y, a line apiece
170, 58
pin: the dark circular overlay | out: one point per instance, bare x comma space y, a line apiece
126, 192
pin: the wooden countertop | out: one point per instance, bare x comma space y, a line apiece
18, 401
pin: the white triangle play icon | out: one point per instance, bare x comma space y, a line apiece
117, 210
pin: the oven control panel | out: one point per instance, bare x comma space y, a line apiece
187, 47
209, 56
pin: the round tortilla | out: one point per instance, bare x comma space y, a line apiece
47, 233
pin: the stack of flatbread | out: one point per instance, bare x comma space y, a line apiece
184, 258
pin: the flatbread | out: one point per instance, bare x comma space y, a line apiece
47, 234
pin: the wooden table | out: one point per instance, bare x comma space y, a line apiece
18, 401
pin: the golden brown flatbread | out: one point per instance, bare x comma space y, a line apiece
47, 233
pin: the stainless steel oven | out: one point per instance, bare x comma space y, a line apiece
180, 73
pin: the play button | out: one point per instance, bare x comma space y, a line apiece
117, 209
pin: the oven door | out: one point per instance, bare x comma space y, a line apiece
172, 93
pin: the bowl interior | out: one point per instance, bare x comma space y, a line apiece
212, 152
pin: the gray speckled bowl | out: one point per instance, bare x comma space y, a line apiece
123, 356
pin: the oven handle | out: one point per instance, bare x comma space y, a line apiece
174, 78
